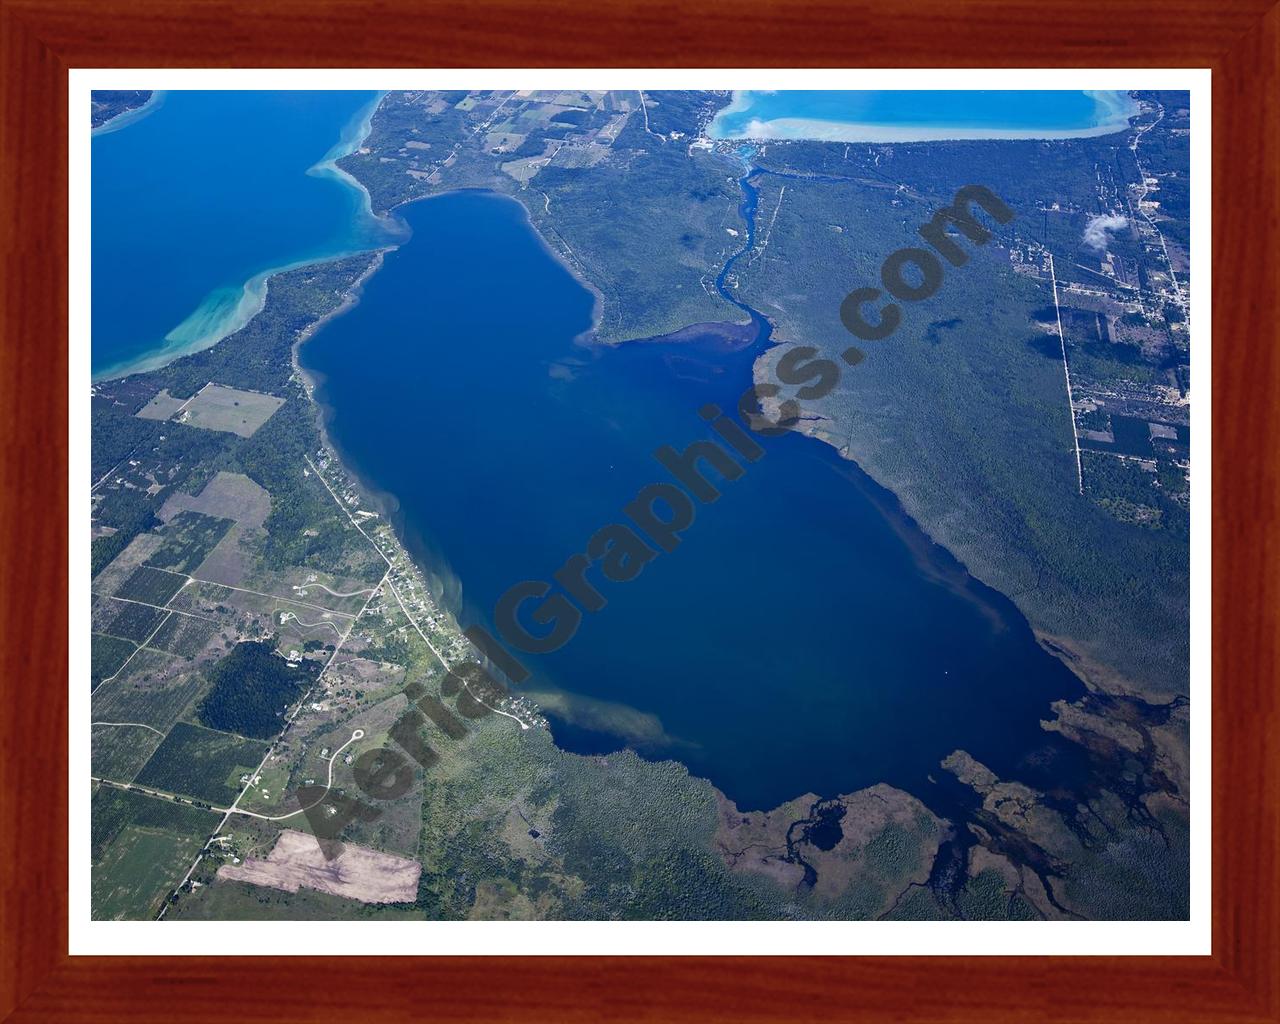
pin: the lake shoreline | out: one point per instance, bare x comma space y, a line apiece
801, 129
1114, 114
388, 507
254, 291
130, 116
385, 502
253, 300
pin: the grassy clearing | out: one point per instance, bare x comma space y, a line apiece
161, 407
229, 409
240, 901
142, 866
187, 540
226, 496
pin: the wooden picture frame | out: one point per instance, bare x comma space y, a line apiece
42, 39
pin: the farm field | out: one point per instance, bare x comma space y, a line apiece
120, 750
153, 689
201, 763
229, 409
141, 846
187, 539
355, 873
109, 653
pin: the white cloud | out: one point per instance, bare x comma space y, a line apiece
1097, 233
757, 129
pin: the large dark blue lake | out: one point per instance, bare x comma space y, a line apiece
805, 635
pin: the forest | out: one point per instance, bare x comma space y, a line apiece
252, 688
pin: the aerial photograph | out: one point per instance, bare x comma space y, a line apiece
639, 505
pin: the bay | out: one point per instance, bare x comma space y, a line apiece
197, 202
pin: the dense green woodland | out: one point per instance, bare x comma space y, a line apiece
970, 425
252, 687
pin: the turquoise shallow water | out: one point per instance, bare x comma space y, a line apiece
195, 201
887, 114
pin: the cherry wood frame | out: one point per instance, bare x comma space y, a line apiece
41, 39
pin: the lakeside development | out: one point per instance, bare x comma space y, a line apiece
876, 865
